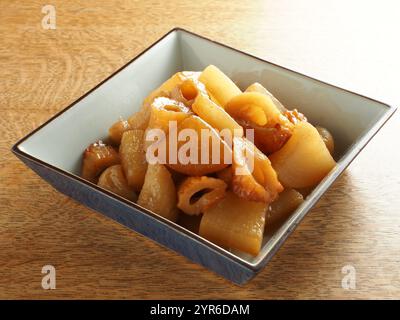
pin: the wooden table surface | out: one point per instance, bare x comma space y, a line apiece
356, 223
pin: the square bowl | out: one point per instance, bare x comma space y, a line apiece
54, 150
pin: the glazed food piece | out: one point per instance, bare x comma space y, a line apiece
191, 223
140, 120
176, 176
327, 138
158, 193
164, 111
113, 179
96, 158
117, 129
283, 207
216, 116
180, 160
198, 194
304, 160
133, 158
235, 223
257, 87
220, 88
269, 139
253, 179
190, 89
187, 91
294, 116
305, 191
254, 110
272, 137
244, 184
225, 175
166, 88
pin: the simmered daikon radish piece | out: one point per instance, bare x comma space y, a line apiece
158, 193
220, 87
257, 87
279, 210
235, 223
198, 194
327, 138
96, 158
140, 119
117, 129
216, 116
304, 160
133, 158
165, 110
253, 179
113, 179
165, 88
201, 154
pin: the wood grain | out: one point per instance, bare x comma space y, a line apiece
357, 222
